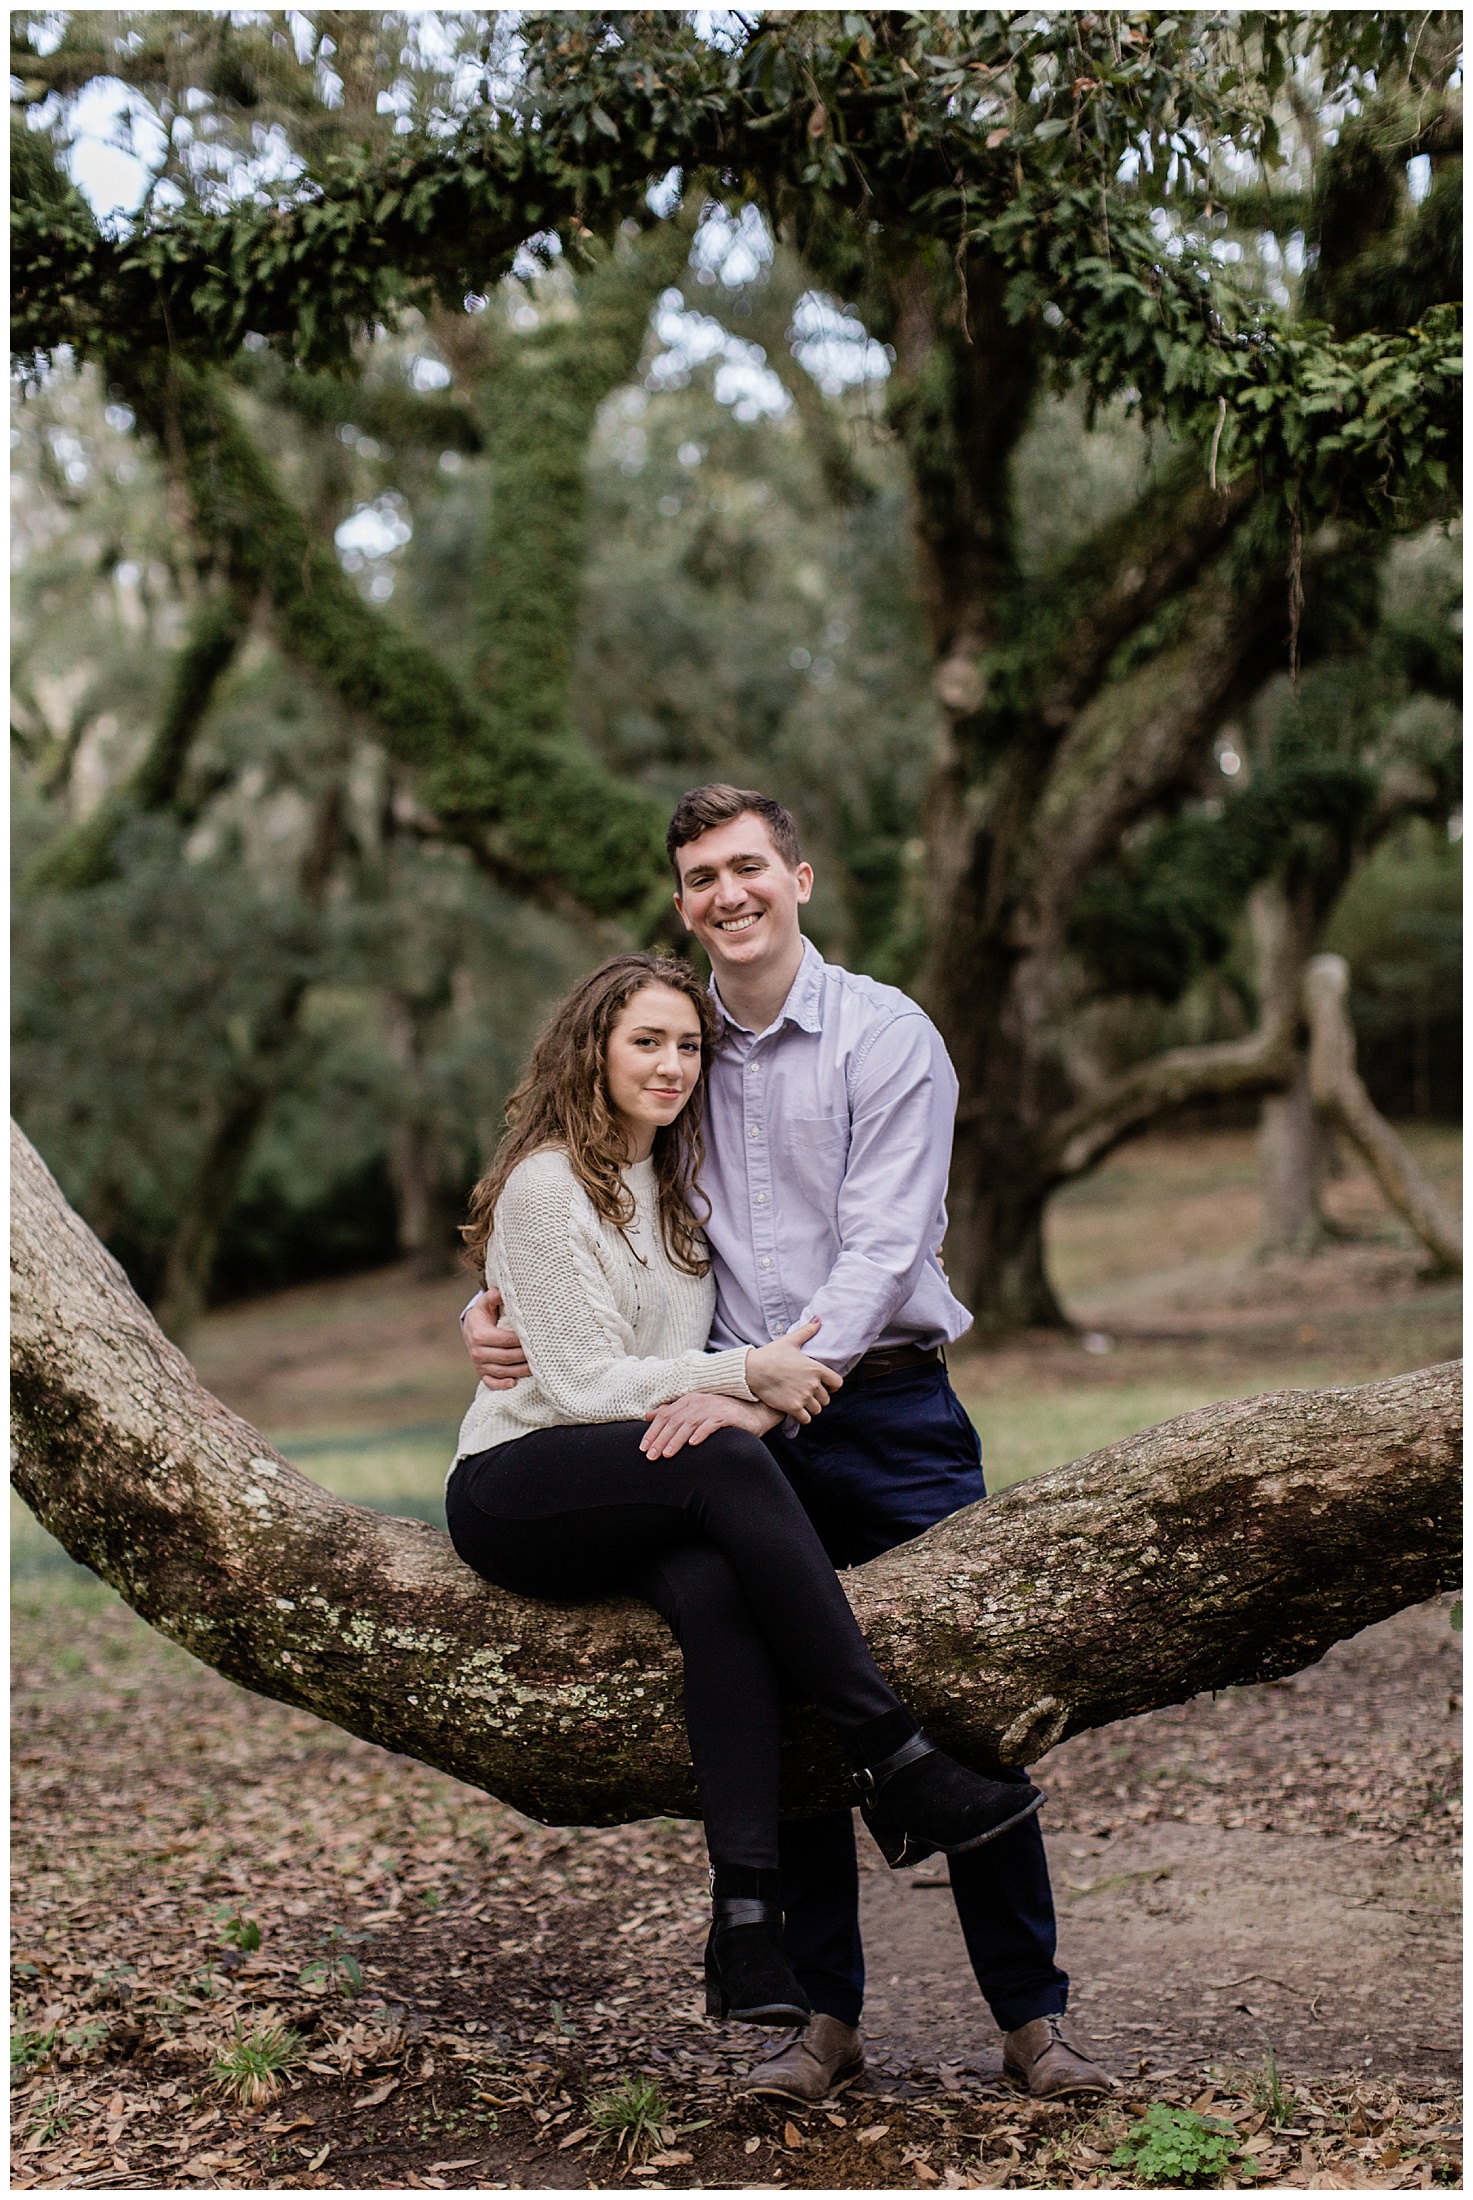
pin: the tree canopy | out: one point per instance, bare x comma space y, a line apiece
870, 141
1217, 253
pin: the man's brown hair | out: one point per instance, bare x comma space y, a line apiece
705, 807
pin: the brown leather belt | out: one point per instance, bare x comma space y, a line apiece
896, 1359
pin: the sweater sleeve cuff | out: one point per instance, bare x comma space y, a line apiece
727, 1372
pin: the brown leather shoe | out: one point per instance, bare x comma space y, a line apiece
821, 2059
1047, 2060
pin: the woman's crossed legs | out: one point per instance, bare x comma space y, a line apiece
717, 1541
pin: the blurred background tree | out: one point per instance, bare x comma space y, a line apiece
348, 700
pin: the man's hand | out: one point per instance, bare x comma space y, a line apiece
691, 1419
784, 1377
496, 1354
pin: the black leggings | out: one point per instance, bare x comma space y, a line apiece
716, 1540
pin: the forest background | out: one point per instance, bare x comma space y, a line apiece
1025, 443
684, 504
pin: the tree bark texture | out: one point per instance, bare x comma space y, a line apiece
1043, 764
1292, 1166
1340, 1095
1231, 1545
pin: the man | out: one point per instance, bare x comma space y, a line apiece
828, 1122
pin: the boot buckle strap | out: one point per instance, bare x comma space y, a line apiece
870, 1777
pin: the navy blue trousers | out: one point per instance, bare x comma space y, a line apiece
885, 1460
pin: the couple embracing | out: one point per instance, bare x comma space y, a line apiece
711, 1358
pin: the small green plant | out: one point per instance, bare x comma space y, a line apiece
237, 1930
82, 2038
48, 2121
630, 2114
29, 2044
1176, 2146
560, 2022
1457, 1615
1268, 2088
430, 1897
337, 1969
249, 2067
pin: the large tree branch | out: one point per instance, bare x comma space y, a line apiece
538, 405
1263, 1061
1228, 1069
1123, 576
538, 811
1143, 735
1090, 756
1338, 1092
1231, 1545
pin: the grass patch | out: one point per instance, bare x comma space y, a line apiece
30, 2044
633, 2114
394, 1470
251, 2065
1025, 1435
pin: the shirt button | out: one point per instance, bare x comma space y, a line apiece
764, 1264
762, 1199
753, 1131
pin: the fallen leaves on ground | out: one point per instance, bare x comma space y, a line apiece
509, 1973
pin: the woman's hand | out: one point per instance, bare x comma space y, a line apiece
784, 1377
695, 1416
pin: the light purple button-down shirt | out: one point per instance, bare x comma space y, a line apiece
828, 1142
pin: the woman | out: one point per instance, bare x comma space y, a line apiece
587, 1225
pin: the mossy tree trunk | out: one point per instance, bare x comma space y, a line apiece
1072, 709
1232, 1545
1292, 1169
1045, 763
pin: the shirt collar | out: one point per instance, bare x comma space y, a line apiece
804, 1004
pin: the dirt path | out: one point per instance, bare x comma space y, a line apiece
1275, 1866
513, 1974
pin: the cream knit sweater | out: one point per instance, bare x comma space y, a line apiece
610, 1326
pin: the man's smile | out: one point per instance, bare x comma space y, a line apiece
738, 924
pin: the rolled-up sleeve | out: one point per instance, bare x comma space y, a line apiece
892, 1202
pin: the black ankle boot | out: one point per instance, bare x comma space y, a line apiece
748, 1978
918, 1800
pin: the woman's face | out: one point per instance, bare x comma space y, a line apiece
652, 1062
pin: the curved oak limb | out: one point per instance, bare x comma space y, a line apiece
1230, 1545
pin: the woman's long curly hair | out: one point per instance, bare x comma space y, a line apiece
563, 1101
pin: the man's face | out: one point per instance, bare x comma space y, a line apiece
739, 897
